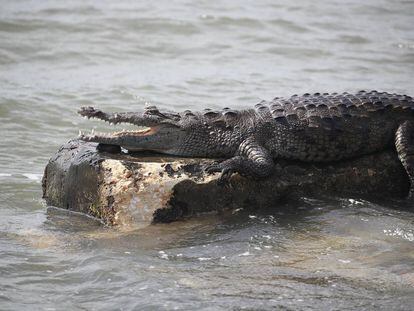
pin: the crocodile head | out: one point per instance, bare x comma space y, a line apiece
159, 132
199, 134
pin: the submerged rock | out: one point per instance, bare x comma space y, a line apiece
133, 191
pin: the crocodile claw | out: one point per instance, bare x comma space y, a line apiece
224, 179
226, 173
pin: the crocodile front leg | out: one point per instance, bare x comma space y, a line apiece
251, 159
404, 143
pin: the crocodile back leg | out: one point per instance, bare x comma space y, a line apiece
404, 143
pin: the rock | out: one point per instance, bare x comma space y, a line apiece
134, 191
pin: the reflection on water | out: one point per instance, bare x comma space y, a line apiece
312, 254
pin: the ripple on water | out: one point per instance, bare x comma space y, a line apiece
289, 26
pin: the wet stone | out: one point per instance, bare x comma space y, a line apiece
133, 191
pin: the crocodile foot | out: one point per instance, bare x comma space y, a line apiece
226, 172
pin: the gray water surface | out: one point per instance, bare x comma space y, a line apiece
331, 254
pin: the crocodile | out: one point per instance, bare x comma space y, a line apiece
319, 127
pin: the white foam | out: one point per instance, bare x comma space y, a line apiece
35, 177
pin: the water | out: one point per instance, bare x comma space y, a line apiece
330, 254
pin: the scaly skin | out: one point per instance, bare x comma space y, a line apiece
311, 128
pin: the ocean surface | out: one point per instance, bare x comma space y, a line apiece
327, 254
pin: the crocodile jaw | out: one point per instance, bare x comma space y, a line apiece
114, 138
157, 138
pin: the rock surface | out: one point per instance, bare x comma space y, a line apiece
134, 191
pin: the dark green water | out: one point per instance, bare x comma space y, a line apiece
333, 254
